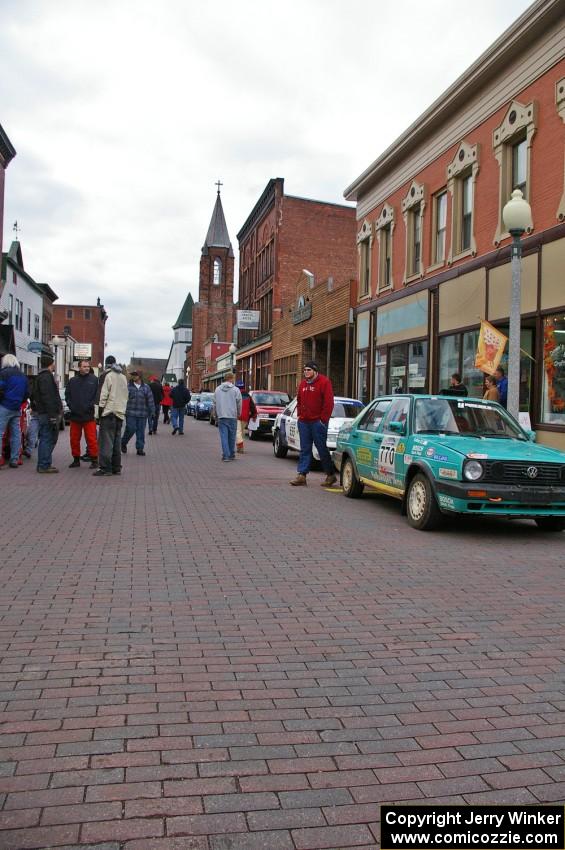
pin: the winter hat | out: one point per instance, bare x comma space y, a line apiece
311, 364
46, 360
110, 360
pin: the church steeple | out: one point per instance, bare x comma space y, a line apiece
218, 236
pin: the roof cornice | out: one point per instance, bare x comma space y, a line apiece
264, 203
533, 22
7, 150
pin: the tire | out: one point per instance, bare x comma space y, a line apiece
421, 506
352, 487
550, 523
278, 448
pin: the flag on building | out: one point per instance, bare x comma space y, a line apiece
490, 348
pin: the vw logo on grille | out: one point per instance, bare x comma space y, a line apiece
532, 472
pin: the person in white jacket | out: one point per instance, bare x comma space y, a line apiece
112, 402
227, 401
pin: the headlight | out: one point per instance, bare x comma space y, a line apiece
473, 470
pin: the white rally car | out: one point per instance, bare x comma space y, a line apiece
285, 429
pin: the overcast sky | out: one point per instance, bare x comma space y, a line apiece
124, 113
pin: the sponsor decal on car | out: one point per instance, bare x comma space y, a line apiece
401, 448
447, 473
407, 459
440, 458
446, 501
387, 452
363, 455
430, 452
477, 456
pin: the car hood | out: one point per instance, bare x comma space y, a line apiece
498, 448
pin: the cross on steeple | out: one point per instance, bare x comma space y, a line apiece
16, 229
218, 184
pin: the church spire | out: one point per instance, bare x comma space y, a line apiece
218, 236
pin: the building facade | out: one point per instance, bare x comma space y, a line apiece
283, 238
433, 254
21, 301
7, 153
213, 315
182, 341
86, 323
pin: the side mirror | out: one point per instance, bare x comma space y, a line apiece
397, 427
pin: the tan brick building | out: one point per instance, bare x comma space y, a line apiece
283, 238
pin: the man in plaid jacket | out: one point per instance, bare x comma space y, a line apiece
140, 408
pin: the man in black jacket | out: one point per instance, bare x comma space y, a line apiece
49, 408
157, 390
180, 396
80, 395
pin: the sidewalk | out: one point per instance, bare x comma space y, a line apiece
196, 656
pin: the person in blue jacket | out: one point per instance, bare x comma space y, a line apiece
13, 390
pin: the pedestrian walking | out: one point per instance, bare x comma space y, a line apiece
227, 400
47, 402
112, 401
140, 408
248, 411
157, 390
80, 395
502, 386
180, 397
491, 392
13, 392
315, 402
166, 403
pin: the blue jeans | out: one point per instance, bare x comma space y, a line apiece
48, 436
135, 425
177, 419
10, 421
313, 433
32, 432
227, 429
154, 420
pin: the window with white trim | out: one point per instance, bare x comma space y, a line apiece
413, 206
384, 227
512, 145
440, 228
364, 247
461, 179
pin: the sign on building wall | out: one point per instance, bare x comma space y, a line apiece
248, 320
82, 350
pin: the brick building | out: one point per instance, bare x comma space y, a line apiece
433, 251
213, 315
283, 238
85, 323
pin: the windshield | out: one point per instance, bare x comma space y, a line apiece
278, 399
459, 416
346, 409
206, 397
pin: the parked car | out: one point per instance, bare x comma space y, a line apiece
190, 408
285, 430
204, 405
66, 417
451, 455
268, 403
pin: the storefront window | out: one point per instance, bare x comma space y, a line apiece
471, 377
553, 403
362, 390
398, 368
417, 366
448, 358
380, 372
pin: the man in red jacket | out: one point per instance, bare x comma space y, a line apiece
314, 408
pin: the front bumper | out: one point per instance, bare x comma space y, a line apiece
501, 499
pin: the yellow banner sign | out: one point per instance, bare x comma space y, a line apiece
490, 348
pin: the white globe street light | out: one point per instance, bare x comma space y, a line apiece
517, 217
232, 349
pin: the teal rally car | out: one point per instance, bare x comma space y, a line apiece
451, 455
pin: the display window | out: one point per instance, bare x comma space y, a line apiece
408, 364
553, 399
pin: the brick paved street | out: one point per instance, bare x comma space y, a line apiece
196, 656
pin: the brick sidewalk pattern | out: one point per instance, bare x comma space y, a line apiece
196, 656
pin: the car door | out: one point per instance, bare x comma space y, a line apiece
292, 436
393, 434
366, 439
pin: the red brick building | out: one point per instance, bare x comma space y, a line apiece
433, 251
213, 315
283, 238
85, 323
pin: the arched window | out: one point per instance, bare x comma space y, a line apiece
217, 271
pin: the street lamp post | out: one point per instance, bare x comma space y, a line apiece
517, 217
232, 349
